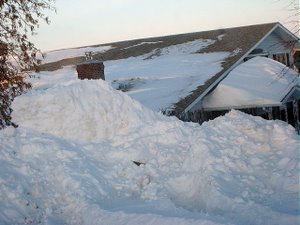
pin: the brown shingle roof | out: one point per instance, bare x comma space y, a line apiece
239, 38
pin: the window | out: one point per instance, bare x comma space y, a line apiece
287, 55
284, 58
256, 52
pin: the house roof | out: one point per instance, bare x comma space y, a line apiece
166, 71
258, 82
245, 39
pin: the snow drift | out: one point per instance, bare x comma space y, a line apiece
81, 110
258, 82
70, 162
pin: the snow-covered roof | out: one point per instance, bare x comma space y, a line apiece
162, 77
174, 72
247, 38
171, 71
57, 55
258, 82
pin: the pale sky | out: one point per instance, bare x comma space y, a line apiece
88, 22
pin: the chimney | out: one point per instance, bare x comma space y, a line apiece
90, 69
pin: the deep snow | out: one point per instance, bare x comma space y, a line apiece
70, 162
71, 159
258, 82
166, 74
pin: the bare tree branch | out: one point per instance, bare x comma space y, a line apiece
17, 18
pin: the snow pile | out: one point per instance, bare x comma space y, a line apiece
71, 162
80, 110
259, 81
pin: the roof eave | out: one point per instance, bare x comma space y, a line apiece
288, 31
243, 107
290, 93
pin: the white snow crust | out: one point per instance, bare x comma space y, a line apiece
258, 82
70, 161
166, 74
143, 43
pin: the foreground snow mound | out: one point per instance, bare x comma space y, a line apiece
80, 110
71, 162
243, 166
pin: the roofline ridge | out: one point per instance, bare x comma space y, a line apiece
244, 26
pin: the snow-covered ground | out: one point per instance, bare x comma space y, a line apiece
71, 162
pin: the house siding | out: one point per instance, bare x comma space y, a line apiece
273, 45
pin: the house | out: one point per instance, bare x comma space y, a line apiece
180, 73
261, 87
272, 41
297, 56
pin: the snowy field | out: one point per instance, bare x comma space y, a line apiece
71, 160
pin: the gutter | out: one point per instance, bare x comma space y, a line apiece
242, 107
289, 94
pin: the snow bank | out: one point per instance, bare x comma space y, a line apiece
259, 81
70, 162
80, 110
